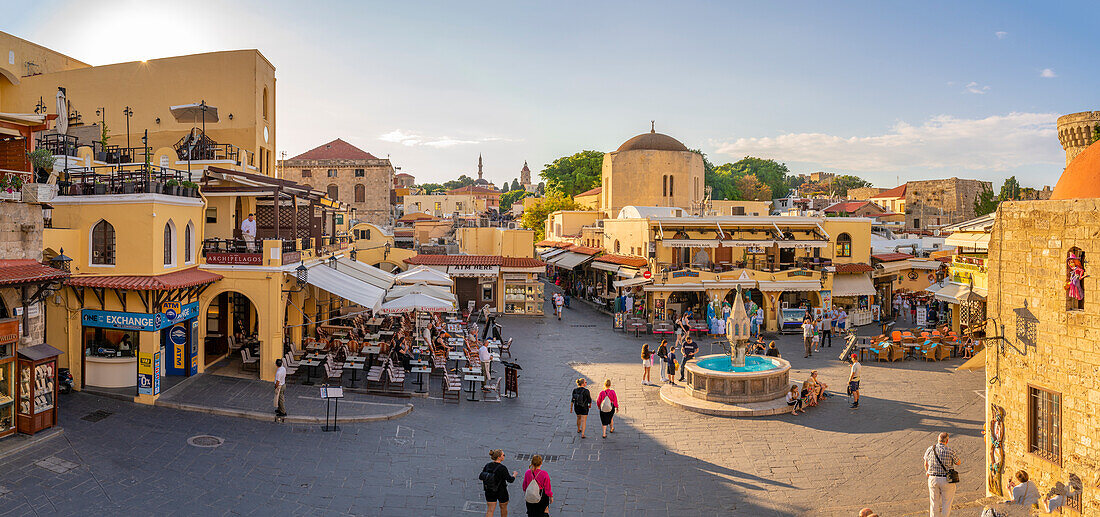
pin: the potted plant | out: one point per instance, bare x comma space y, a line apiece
101, 155
76, 189
99, 188
128, 186
191, 189
173, 187
42, 163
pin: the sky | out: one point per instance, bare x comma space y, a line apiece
888, 91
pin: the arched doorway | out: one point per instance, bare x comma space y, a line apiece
231, 340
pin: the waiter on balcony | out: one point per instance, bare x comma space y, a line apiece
248, 232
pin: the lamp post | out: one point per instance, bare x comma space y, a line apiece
128, 113
40, 108
61, 262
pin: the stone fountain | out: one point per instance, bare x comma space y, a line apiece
737, 331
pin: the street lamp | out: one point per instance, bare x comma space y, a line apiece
301, 278
61, 262
128, 113
332, 261
40, 108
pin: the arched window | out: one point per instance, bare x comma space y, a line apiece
664, 185
360, 193
103, 243
1075, 279
169, 244
670, 178
616, 245
334, 192
844, 245
189, 243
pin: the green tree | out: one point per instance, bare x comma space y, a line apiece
534, 218
515, 184
986, 202
770, 172
1010, 191
842, 184
752, 189
431, 188
571, 175
462, 181
541, 189
505, 189
509, 198
724, 182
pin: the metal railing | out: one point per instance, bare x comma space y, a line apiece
120, 179
58, 144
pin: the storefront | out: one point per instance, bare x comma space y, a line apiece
523, 293
110, 345
9, 341
854, 291
508, 285
475, 283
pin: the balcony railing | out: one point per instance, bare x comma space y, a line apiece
58, 144
242, 252
125, 179
197, 146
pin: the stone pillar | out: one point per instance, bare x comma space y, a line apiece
771, 305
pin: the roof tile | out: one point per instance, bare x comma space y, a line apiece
174, 280
473, 260
891, 257
622, 260
853, 268
335, 150
27, 271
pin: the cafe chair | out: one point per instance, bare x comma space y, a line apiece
494, 387
452, 387
506, 348
248, 362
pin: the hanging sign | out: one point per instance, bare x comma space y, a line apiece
647, 275
170, 309
473, 271
136, 320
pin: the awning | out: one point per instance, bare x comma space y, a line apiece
957, 293
434, 291
928, 265
423, 274
934, 288
365, 272
551, 253
789, 285
416, 302
347, 287
968, 240
853, 285
974, 363
675, 287
604, 266
627, 272
570, 260
735, 243
638, 280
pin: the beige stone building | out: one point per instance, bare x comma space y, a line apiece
348, 174
651, 169
1042, 360
938, 202
1076, 131
864, 192
444, 205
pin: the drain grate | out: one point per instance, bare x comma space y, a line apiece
205, 441
545, 458
96, 415
583, 326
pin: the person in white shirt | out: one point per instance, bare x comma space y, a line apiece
853, 380
808, 335
486, 361
1024, 491
248, 232
280, 387
559, 301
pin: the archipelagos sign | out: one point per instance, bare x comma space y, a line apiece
137, 320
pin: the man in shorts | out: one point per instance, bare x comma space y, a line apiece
853, 381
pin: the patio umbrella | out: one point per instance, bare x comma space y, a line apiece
430, 290
415, 302
195, 113
424, 275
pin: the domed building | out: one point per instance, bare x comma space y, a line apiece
1081, 179
651, 169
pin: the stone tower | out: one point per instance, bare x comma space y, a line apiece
480, 168
1075, 132
525, 177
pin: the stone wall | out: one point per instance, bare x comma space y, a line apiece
1075, 132
1027, 254
864, 192
951, 197
377, 181
21, 239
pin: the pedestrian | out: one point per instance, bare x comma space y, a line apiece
280, 387
938, 460
486, 363
558, 302
1025, 493
647, 364
808, 335
579, 404
842, 323
670, 366
539, 497
688, 349
772, 350
853, 380
817, 335
495, 477
608, 404
248, 232
662, 354
794, 400
827, 325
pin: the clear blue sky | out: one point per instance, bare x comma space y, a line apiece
885, 90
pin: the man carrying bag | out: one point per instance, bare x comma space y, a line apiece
939, 463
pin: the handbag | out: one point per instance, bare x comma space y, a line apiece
952, 474
533, 494
606, 406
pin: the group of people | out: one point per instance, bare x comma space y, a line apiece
819, 331
537, 492
670, 362
811, 392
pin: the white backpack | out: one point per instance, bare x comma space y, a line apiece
606, 406
533, 494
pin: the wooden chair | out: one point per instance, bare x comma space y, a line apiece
452, 388
506, 348
945, 352
494, 387
929, 351
895, 336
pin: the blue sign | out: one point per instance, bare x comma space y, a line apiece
171, 313
178, 335
145, 384
136, 320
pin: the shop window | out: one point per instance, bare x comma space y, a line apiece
306, 173
212, 215
359, 173
332, 173
334, 192
844, 245
1075, 279
1044, 423
360, 193
103, 244
189, 243
169, 244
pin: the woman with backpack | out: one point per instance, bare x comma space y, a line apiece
536, 489
579, 404
495, 477
608, 404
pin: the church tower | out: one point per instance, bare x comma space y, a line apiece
525, 177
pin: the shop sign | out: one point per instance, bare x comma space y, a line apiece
684, 274
802, 244
178, 337
472, 271
240, 259
170, 309
136, 320
827, 299
9, 331
799, 273
515, 276
156, 373
145, 373
755, 245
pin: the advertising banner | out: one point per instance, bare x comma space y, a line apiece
145, 374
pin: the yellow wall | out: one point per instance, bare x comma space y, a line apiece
563, 224
16, 52
443, 205
425, 231
724, 207
636, 178
591, 202
620, 235
496, 241
370, 244
860, 231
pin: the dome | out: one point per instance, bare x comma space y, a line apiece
1081, 179
652, 141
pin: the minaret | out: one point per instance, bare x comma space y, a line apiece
480, 171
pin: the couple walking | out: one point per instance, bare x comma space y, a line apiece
537, 493
607, 402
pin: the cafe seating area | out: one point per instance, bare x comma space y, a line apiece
918, 344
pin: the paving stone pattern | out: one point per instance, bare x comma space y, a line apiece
659, 461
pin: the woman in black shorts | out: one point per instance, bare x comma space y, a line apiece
495, 476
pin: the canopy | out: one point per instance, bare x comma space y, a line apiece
193, 113
551, 253
365, 272
570, 260
974, 363
638, 280
423, 275
789, 285
347, 287
434, 291
605, 266
957, 293
852, 285
968, 240
416, 302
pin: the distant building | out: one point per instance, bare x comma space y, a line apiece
864, 192
525, 178
348, 174
733, 207
589, 199
854, 209
403, 180
1075, 132
937, 202
892, 199
487, 195
651, 169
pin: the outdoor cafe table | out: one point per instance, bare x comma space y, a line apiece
419, 367
636, 324
310, 364
315, 346
474, 376
354, 364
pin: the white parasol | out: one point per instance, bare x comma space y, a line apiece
416, 302
423, 275
62, 123
431, 290
194, 113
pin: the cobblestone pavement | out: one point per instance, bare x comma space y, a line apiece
660, 460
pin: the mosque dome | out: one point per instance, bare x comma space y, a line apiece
652, 141
1081, 179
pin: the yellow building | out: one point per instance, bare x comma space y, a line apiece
651, 169
445, 205
737, 207
567, 224
374, 245
504, 242
508, 285
967, 284
892, 200
590, 199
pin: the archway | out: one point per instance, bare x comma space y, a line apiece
232, 335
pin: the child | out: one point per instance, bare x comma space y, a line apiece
671, 364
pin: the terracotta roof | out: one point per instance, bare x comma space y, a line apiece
174, 280
622, 260
896, 192
401, 174
584, 250
591, 192
552, 244
846, 207
947, 260
335, 150
1081, 179
473, 189
415, 216
853, 268
27, 271
891, 257
473, 260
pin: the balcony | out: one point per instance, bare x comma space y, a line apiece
238, 252
196, 146
129, 178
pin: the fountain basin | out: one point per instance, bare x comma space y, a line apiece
714, 378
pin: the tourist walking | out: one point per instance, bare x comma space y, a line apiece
808, 335
495, 477
559, 301
939, 460
608, 404
280, 387
853, 380
662, 354
647, 364
579, 404
688, 349
827, 324
539, 496
670, 366
486, 359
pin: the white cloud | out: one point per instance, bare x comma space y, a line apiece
996, 143
974, 87
412, 139
1000, 34
1047, 73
